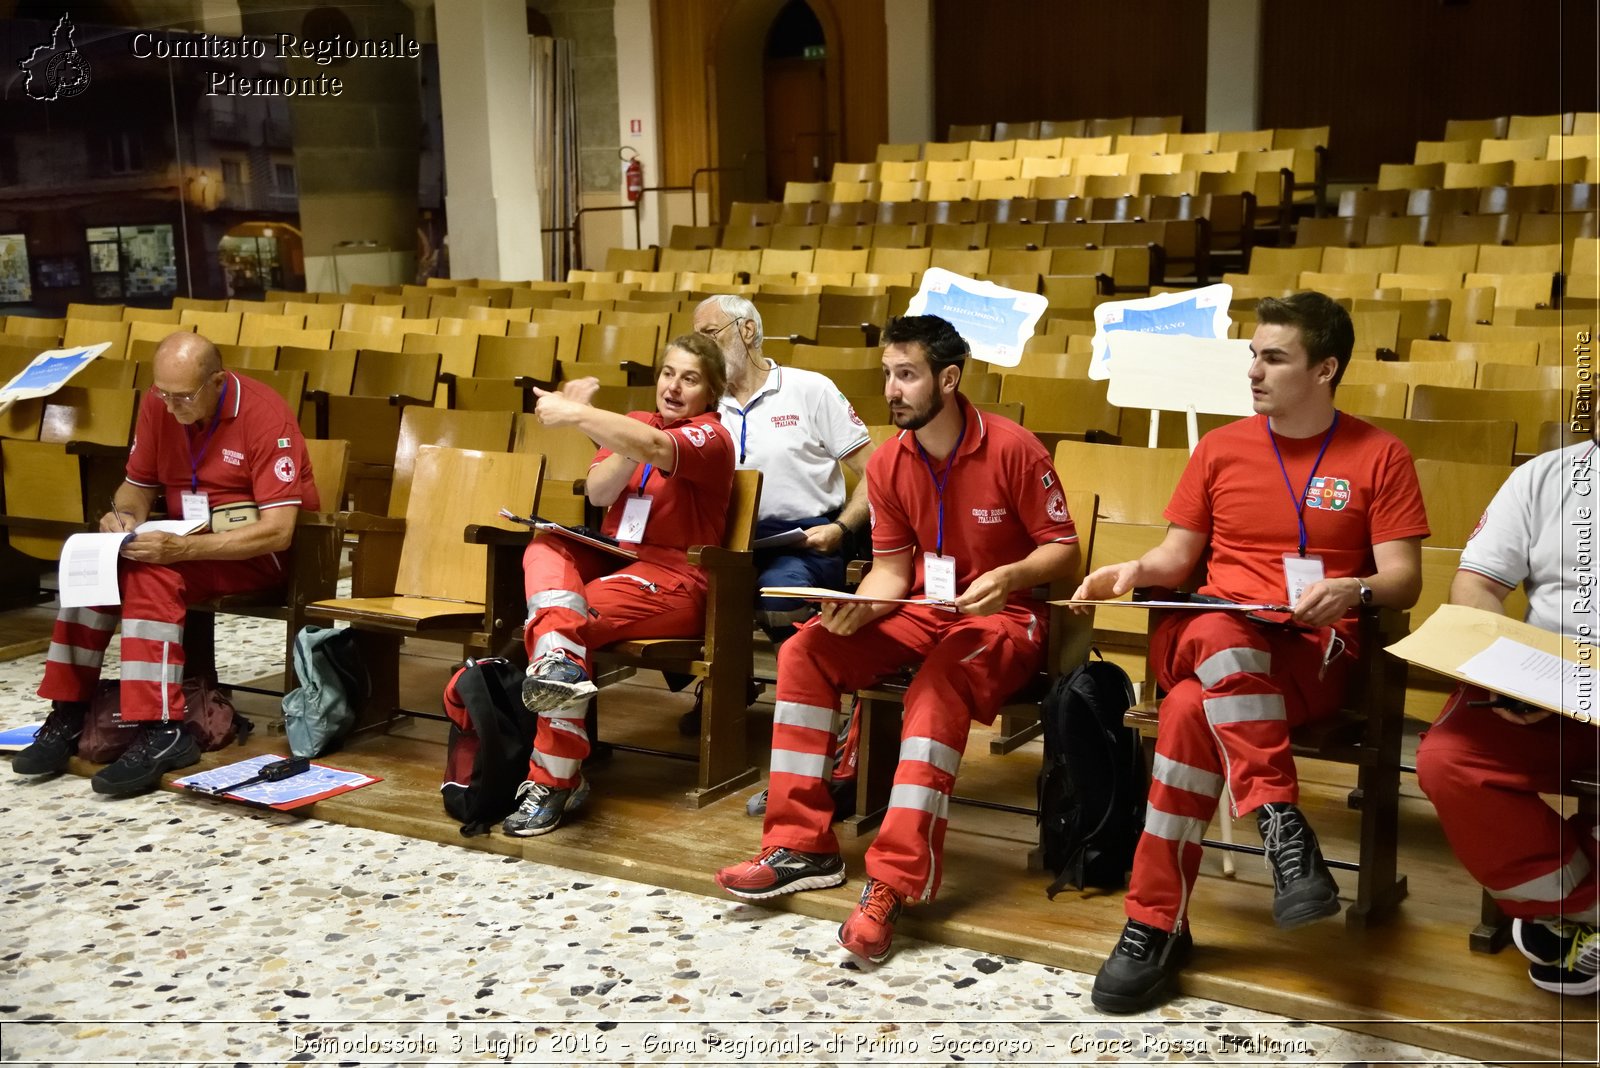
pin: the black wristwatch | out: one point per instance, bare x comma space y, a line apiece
1366, 592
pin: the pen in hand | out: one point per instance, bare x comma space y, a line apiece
115, 511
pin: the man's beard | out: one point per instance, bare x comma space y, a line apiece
918, 420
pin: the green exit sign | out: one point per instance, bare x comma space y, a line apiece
815, 52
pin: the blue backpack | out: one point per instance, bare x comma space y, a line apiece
333, 684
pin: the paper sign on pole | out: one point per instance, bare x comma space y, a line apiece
996, 321
1193, 313
1180, 374
48, 372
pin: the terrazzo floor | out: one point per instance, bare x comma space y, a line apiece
170, 930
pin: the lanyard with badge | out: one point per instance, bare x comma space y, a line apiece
939, 570
636, 512
1301, 571
197, 505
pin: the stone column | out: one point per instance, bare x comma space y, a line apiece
491, 201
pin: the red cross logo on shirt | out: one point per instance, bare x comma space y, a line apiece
1326, 492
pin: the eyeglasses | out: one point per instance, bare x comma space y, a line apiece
714, 331
179, 398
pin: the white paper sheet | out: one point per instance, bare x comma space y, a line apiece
793, 536
88, 571
821, 595
1517, 670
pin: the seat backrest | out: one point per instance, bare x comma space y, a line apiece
452, 488
1479, 441
330, 465
389, 374
1455, 496
94, 331
421, 426
1134, 484
1530, 408
290, 385
106, 373
90, 414
328, 370
567, 451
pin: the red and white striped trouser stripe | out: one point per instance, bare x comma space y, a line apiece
577, 601
1234, 689
970, 664
154, 600
1484, 775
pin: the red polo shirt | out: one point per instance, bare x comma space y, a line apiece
1364, 492
689, 506
250, 449
1002, 500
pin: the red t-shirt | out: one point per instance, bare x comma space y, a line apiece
1003, 499
689, 506
250, 450
1364, 492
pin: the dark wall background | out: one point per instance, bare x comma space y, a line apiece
1383, 74
1386, 74
1016, 60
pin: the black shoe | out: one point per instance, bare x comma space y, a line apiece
1303, 888
1576, 973
541, 808
160, 748
689, 722
54, 742
1544, 941
1139, 973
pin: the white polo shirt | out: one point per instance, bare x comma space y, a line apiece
1539, 531
795, 430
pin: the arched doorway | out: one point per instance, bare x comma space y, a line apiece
258, 256
801, 147
762, 138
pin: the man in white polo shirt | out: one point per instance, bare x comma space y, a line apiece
795, 427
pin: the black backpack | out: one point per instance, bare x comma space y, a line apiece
1092, 786
491, 739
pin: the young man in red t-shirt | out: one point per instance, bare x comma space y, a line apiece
965, 509
215, 446
1299, 505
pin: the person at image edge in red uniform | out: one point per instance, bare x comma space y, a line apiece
966, 509
664, 478
214, 446
1299, 505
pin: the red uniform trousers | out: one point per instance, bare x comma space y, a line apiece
1234, 689
970, 664
579, 599
1484, 776
155, 598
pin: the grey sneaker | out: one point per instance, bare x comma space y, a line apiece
160, 748
1303, 888
553, 682
540, 808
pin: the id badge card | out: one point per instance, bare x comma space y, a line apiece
1300, 573
635, 514
939, 576
197, 507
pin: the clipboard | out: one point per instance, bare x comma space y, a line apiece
825, 596
319, 782
1505, 656
582, 537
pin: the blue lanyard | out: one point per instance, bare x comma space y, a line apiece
194, 460
645, 481
744, 419
940, 483
1300, 502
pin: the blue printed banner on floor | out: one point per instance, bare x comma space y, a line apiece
48, 372
1192, 313
995, 321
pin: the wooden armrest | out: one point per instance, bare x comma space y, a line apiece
447, 377
60, 528
321, 519
366, 522
715, 557
579, 487
94, 449
855, 571
400, 400
485, 534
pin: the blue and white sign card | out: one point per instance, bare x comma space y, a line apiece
1192, 313
996, 321
49, 371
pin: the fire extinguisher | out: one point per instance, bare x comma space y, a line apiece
633, 179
